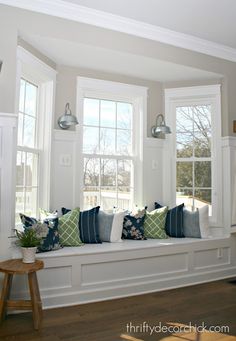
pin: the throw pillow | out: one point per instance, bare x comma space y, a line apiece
43, 214
51, 241
191, 224
196, 224
89, 227
68, 228
174, 221
204, 221
65, 210
110, 226
133, 225
154, 224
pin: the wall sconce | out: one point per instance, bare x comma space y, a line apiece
1, 65
67, 119
160, 127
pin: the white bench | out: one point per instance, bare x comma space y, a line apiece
96, 272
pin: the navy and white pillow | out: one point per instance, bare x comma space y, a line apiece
174, 221
133, 226
111, 226
51, 241
196, 224
89, 226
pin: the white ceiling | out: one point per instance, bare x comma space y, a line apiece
212, 20
68, 53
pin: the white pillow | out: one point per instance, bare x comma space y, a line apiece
111, 226
204, 221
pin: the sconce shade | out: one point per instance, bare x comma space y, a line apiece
160, 127
67, 119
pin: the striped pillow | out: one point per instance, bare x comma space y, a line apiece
89, 226
174, 221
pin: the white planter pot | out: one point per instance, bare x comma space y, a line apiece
28, 254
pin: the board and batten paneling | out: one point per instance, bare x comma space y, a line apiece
7, 180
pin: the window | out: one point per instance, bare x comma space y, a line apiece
27, 150
193, 173
193, 156
110, 145
107, 153
35, 92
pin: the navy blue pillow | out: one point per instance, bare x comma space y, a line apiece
64, 210
88, 225
51, 241
174, 221
133, 226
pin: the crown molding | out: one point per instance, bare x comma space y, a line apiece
71, 11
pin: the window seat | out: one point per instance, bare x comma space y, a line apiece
95, 272
125, 245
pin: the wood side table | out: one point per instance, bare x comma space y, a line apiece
17, 267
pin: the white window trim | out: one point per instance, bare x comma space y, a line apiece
89, 87
188, 95
34, 70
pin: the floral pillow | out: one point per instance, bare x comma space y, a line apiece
48, 229
133, 225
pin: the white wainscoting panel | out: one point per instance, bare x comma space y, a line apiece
104, 271
7, 180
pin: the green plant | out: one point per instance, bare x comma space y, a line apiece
28, 238
31, 236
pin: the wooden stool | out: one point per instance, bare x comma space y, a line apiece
16, 266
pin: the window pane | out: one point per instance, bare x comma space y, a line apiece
124, 115
31, 170
124, 142
91, 197
184, 119
19, 201
29, 131
107, 141
108, 172
91, 111
202, 198
91, 140
125, 198
22, 95
124, 173
91, 172
20, 168
202, 174
30, 99
184, 144
108, 114
202, 118
184, 196
202, 144
108, 198
31, 199
184, 174
20, 129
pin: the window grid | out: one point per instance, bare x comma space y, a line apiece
26, 152
116, 157
192, 160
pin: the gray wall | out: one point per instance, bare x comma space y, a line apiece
14, 21
66, 90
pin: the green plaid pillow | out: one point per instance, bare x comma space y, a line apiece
154, 223
69, 228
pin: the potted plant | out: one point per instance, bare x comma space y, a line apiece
29, 239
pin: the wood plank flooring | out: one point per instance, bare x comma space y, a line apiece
213, 304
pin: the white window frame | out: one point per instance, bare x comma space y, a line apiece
137, 95
34, 70
209, 94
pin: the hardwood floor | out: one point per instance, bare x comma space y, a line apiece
213, 304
